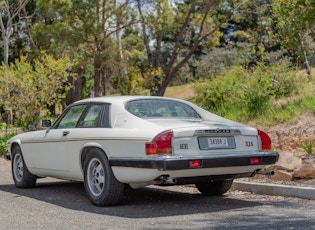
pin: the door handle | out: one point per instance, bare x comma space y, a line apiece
65, 133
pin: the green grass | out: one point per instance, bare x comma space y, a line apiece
307, 146
287, 112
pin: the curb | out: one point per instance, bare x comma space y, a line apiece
274, 189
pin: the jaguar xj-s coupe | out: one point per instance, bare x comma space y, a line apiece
108, 142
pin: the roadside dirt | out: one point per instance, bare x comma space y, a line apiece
287, 135
285, 138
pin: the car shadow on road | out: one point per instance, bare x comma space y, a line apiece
147, 202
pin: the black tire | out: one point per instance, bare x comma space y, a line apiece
21, 176
101, 186
214, 188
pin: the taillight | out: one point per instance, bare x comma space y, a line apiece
161, 144
265, 140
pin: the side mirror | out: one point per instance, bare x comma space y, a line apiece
46, 123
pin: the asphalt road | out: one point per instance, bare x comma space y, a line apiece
56, 204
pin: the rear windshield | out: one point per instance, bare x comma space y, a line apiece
159, 108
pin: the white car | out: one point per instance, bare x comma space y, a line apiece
107, 142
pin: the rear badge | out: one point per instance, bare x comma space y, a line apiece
249, 143
183, 146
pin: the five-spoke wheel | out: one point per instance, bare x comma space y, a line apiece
95, 177
102, 187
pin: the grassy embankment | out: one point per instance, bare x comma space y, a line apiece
282, 110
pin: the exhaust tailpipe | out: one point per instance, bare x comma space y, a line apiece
266, 173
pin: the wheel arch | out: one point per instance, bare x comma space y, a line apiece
86, 148
13, 145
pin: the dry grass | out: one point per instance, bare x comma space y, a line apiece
181, 91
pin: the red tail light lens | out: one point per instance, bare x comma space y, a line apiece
265, 140
161, 144
254, 160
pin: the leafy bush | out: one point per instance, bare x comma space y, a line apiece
28, 88
4, 142
249, 92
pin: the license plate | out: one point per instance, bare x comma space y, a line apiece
218, 142
227, 142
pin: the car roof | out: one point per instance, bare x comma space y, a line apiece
120, 99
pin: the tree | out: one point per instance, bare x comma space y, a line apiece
30, 89
254, 26
248, 39
85, 31
296, 23
9, 10
173, 31
53, 33
97, 22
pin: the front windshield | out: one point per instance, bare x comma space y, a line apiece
161, 108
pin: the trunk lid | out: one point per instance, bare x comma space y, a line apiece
202, 137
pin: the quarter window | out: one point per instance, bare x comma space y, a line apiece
92, 116
71, 117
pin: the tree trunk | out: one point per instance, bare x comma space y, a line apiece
98, 79
6, 50
23, 8
160, 88
74, 93
122, 63
308, 68
156, 91
7, 29
78, 84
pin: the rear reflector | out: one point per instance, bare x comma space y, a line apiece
254, 160
161, 144
195, 164
265, 140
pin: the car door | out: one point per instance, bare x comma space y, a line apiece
88, 132
51, 154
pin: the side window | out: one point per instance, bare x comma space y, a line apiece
92, 116
71, 118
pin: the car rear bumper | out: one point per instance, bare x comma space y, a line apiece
169, 162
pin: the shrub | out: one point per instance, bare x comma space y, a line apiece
4, 142
249, 92
282, 79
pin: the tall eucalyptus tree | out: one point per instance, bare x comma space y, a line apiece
9, 11
173, 31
